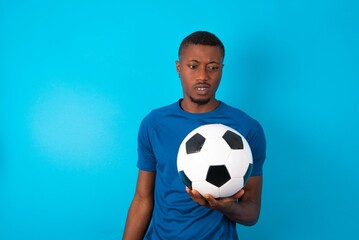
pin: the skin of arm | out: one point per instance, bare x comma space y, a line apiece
245, 211
140, 212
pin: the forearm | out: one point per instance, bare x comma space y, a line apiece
138, 219
245, 212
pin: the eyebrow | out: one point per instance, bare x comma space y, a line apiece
194, 60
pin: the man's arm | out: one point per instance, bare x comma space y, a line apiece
140, 212
245, 211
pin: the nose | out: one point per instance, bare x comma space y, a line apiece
202, 74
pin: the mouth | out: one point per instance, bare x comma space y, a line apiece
201, 88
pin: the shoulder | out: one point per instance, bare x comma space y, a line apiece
162, 111
249, 127
158, 115
240, 117
252, 131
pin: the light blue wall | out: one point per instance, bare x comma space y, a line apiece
76, 78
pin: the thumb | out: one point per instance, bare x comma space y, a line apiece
238, 194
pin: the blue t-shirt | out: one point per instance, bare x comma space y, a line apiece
175, 214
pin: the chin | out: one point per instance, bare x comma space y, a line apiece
200, 101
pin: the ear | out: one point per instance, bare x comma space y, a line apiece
178, 67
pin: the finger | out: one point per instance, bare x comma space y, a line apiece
201, 200
212, 202
241, 193
193, 193
238, 194
197, 195
190, 193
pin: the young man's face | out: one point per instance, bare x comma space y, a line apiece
200, 70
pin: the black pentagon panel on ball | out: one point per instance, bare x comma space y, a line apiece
185, 179
248, 173
218, 175
233, 140
195, 143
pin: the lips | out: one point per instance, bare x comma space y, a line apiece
202, 88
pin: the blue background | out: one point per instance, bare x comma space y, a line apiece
77, 77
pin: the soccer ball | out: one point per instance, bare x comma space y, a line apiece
214, 159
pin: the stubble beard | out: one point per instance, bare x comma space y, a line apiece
200, 102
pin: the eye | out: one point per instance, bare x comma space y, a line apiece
192, 66
213, 67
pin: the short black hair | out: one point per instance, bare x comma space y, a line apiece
201, 38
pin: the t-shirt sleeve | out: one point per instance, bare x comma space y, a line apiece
146, 159
257, 141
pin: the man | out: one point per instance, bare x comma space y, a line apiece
163, 208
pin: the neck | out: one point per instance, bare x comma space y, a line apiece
192, 107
